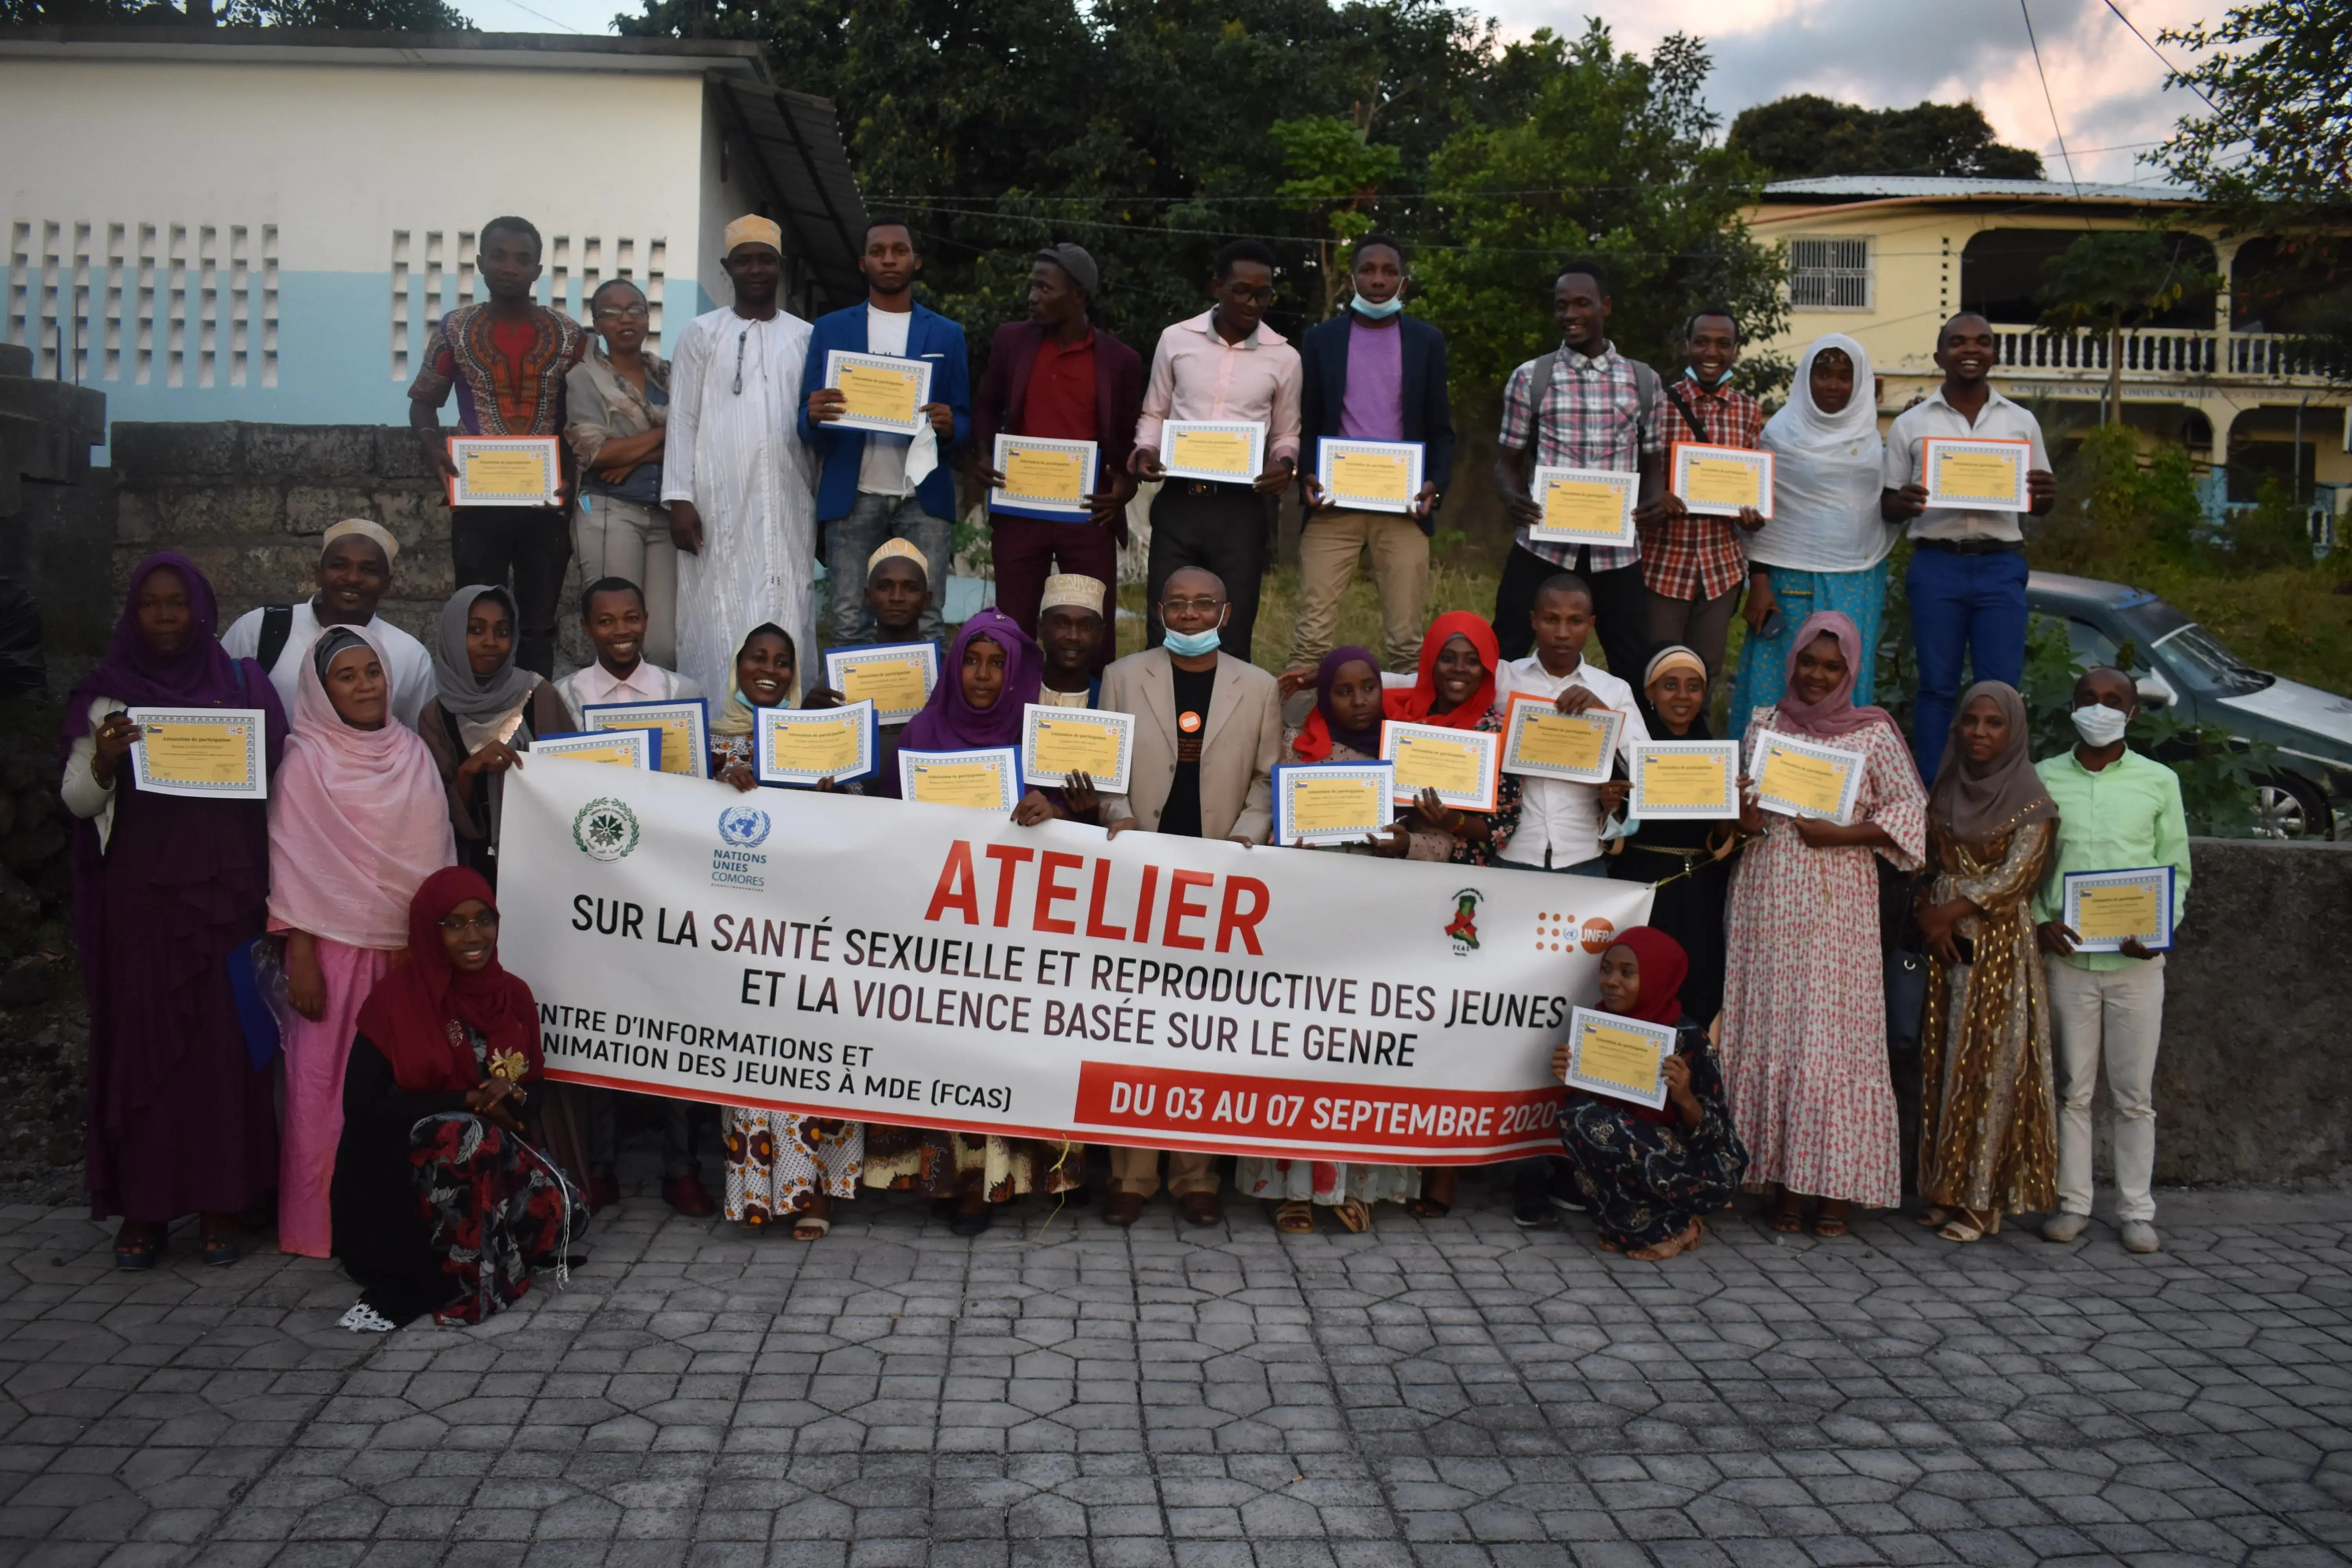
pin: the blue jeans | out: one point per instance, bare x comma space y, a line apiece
850, 539
1965, 611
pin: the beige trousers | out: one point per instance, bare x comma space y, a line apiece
1328, 547
617, 538
2114, 1016
1137, 1171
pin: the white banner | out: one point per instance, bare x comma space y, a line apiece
936, 965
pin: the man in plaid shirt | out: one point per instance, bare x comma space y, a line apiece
1692, 566
1594, 409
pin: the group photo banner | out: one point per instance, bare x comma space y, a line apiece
937, 966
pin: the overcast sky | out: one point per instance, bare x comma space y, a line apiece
1877, 52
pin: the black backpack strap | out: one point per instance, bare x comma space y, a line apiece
277, 626
1690, 417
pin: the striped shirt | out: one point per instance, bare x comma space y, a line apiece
1589, 416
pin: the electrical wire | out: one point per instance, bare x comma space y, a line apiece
2046, 98
2176, 71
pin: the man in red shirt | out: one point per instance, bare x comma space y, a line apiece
1059, 376
506, 359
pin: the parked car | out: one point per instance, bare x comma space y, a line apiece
2186, 670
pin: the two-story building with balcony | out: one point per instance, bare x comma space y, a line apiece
1888, 259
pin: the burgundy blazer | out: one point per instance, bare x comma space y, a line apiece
1004, 391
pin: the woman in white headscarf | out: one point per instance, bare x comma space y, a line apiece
1827, 547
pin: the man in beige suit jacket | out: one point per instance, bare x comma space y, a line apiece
1208, 730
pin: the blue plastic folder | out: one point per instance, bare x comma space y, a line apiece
253, 1009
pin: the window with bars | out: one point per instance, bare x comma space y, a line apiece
1829, 274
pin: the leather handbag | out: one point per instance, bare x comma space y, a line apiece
1907, 987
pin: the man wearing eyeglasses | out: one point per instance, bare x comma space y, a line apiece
1224, 364
506, 359
734, 472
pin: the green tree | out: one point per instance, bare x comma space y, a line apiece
1613, 157
1805, 135
2116, 279
361, 15
1336, 171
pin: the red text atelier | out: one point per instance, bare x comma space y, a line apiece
1199, 907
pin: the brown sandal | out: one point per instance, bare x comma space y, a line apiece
1296, 1218
1828, 1223
1354, 1215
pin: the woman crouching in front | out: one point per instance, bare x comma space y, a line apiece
440, 1207
1649, 1176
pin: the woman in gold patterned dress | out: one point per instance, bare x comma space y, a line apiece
1987, 1129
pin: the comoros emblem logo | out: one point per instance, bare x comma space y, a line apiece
605, 828
743, 827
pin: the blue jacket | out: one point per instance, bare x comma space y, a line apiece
1323, 388
929, 336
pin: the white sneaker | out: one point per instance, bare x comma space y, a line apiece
2141, 1236
363, 1319
2062, 1227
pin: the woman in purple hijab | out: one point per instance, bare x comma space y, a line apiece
989, 675
166, 888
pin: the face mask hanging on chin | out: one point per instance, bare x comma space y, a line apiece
1379, 312
1192, 644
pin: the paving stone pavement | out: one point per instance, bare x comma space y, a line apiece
1432, 1394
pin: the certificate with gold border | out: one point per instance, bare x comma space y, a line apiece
504, 470
1697, 780
1585, 506
881, 393
1049, 480
205, 754
1332, 803
1368, 476
1463, 766
1541, 741
988, 779
896, 677
638, 749
685, 742
1625, 1058
2103, 908
1058, 742
1800, 777
1976, 473
809, 745
1229, 450
1717, 482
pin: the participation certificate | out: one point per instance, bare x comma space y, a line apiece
1368, 476
683, 724
1976, 473
1717, 482
1332, 803
1043, 479
882, 393
1058, 742
2104, 908
1462, 765
207, 754
1585, 506
1623, 1059
989, 779
809, 745
504, 470
1229, 450
1797, 777
638, 749
896, 677
1541, 741
1697, 780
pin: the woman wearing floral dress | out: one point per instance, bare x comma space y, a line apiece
779, 1162
1804, 1009
1988, 1119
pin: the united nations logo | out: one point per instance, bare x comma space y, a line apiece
605, 828
744, 826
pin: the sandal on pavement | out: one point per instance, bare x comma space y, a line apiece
139, 1252
1428, 1208
1296, 1218
1672, 1247
1831, 1224
1354, 1215
1935, 1216
811, 1228
1785, 1220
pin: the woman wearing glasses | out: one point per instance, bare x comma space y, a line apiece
619, 417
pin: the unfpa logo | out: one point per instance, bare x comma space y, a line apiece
1556, 932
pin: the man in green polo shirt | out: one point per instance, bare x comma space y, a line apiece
2117, 811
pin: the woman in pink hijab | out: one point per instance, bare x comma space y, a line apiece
358, 819
1804, 1004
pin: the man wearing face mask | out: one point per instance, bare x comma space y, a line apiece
1373, 374
2117, 811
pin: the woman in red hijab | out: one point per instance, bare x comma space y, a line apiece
1646, 1174
1457, 691
440, 1206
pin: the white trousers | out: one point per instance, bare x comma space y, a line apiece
2116, 1015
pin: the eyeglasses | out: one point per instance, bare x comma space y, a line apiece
1178, 607
483, 925
638, 313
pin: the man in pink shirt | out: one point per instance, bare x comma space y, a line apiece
1224, 364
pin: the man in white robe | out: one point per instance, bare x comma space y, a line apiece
734, 473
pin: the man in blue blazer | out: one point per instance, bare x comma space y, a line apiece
875, 487
1373, 374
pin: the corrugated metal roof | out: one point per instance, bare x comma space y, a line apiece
1868, 187
804, 171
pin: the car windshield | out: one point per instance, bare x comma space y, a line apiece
2206, 662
